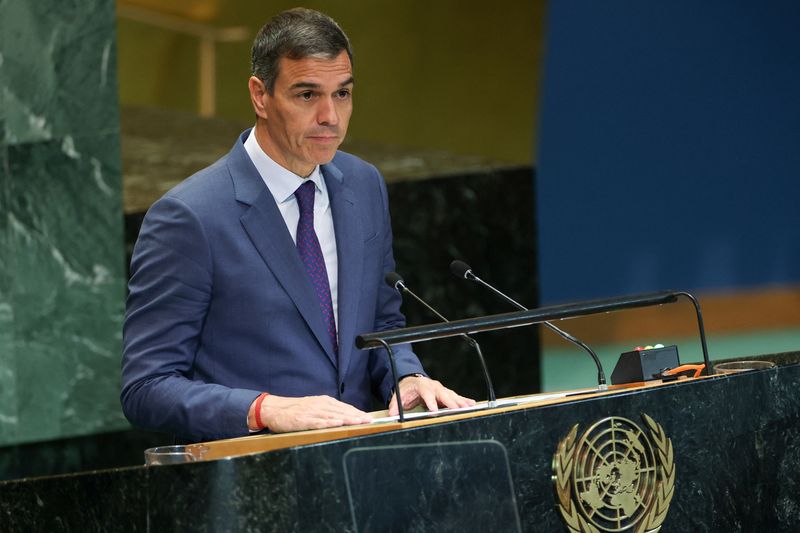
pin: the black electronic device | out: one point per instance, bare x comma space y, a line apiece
644, 364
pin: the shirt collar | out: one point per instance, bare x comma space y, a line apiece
281, 182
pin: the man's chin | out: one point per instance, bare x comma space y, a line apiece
323, 157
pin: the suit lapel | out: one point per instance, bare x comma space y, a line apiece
350, 255
265, 227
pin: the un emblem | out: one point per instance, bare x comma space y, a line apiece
616, 477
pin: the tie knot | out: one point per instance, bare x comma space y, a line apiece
305, 197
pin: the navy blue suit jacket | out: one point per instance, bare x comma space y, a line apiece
221, 308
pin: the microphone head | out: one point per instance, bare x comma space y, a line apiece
394, 280
460, 269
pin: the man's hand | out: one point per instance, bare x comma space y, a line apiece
281, 414
419, 389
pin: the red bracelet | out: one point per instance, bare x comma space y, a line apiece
259, 423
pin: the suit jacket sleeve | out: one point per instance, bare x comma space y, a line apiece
170, 290
388, 316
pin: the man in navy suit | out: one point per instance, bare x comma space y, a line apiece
251, 279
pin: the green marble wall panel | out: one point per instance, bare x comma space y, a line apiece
57, 69
8, 389
61, 250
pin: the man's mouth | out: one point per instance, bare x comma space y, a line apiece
324, 138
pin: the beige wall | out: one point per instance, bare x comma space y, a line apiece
461, 76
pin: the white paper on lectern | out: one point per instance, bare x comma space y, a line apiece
505, 402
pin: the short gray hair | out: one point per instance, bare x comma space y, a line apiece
296, 33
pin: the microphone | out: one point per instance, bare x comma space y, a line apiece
396, 282
462, 270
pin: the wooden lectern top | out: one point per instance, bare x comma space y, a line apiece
227, 448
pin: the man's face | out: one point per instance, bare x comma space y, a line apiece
306, 117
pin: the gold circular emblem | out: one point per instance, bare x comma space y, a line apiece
616, 477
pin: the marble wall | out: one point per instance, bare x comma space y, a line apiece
61, 258
486, 219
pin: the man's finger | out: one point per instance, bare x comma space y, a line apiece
463, 401
457, 401
348, 416
429, 398
355, 421
335, 407
323, 423
448, 398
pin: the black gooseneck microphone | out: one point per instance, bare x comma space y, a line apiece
462, 270
396, 281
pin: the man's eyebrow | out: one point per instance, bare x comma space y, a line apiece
311, 85
304, 85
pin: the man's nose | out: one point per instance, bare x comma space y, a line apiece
327, 114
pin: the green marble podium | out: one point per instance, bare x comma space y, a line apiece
736, 440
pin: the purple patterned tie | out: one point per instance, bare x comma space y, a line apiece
311, 255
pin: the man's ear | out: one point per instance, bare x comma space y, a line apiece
258, 95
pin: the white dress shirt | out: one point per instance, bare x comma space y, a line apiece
282, 183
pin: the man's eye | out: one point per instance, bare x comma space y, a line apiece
305, 96
344, 93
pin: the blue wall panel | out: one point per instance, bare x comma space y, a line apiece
669, 147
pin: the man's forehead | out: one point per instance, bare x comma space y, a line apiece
316, 70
